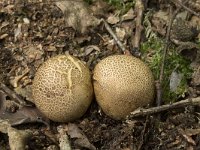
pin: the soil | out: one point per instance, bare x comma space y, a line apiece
32, 33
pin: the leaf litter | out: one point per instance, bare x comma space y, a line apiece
30, 33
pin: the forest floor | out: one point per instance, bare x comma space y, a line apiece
31, 32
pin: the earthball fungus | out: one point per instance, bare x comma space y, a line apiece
122, 84
62, 88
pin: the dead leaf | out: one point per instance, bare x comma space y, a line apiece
100, 8
175, 80
14, 82
77, 15
51, 48
33, 53
90, 49
4, 24
52, 147
120, 32
17, 138
192, 132
81, 139
64, 143
23, 115
196, 77
26, 21
129, 15
3, 36
25, 92
26, 115
112, 19
18, 32
187, 137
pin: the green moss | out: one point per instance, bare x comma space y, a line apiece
153, 54
120, 5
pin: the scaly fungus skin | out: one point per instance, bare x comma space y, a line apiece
122, 83
62, 88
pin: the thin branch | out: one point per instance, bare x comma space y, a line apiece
154, 110
139, 6
119, 43
31, 2
159, 82
185, 7
12, 94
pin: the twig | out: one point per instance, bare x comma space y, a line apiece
143, 135
154, 110
31, 2
119, 43
185, 7
159, 83
12, 94
139, 6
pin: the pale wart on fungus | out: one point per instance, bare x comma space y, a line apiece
122, 84
62, 88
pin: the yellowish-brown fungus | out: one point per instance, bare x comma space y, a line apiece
122, 83
62, 88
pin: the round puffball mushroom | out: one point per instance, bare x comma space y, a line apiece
62, 88
122, 84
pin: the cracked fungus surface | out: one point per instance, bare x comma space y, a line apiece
122, 84
62, 88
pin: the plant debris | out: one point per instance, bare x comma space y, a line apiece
33, 31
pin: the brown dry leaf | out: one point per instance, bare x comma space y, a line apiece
159, 20
175, 80
23, 115
25, 92
77, 15
8, 9
192, 132
14, 81
112, 19
3, 36
33, 53
51, 48
18, 32
90, 49
187, 136
26, 115
82, 39
64, 143
196, 77
4, 24
120, 32
17, 138
81, 139
52, 147
130, 15
100, 8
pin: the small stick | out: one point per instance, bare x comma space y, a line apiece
159, 82
12, 94
154, 110
185, 7
119, 43
139, 6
